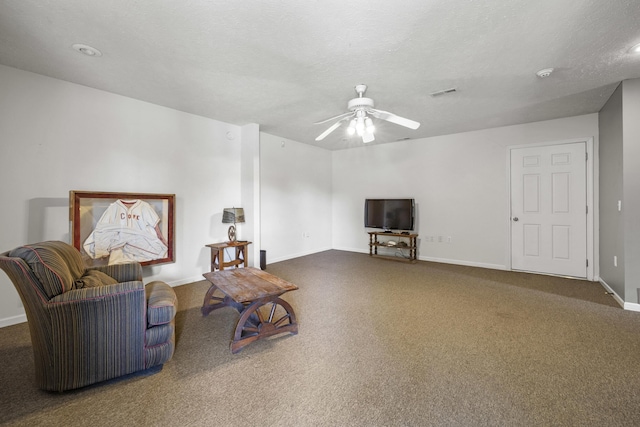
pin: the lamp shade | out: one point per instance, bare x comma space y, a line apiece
232, 215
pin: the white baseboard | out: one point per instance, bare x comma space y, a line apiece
181, 282
361, 251
298, 255
21, 318
442, 260
466, 263
617, 297
13, 320
631, 306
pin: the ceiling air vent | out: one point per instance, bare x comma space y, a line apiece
443, 92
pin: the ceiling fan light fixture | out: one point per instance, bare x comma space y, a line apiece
360, 109
635, 49
360, 127
368, 123
352, 128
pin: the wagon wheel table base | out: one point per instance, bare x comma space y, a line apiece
256, 295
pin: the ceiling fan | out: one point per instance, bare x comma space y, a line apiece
360, 109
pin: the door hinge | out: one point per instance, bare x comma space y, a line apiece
587, 263
586, 156
587, 209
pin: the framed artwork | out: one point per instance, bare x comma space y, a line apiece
116, 228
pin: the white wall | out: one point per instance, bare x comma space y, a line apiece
631, 190
57, 136
459, 182
295, 181
612, 232
250, 172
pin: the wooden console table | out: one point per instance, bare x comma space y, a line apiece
256, 295
217, 254
409, 244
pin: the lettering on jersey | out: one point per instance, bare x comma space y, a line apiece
129, 216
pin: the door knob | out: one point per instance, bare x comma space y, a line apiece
515, 218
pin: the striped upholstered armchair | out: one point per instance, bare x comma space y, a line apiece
89, 324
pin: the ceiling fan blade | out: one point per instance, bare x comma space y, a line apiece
334, 117
368, 137
390, 117
328, 131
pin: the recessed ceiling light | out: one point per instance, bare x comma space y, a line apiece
546, 72
87, 50
635, 49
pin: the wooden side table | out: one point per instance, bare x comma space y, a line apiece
217, 254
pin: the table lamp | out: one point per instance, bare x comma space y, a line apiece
232, 215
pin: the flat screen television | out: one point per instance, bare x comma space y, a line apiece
389, 214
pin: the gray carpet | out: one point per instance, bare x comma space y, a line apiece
381, 343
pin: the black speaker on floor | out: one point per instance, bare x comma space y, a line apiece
263, 260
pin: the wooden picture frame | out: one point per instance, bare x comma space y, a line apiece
114, 228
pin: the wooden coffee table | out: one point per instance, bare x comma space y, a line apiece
256, 295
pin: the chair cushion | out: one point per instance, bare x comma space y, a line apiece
55, 264
93, 278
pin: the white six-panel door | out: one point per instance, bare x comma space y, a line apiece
549, 209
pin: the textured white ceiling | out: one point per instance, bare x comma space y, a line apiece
285, 64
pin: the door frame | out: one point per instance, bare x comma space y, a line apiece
592, 201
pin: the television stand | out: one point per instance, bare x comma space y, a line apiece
407, 242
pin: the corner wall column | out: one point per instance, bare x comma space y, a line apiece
250, 188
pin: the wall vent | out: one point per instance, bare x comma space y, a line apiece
444, 92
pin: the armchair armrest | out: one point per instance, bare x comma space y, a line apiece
87, 295
121, 272
161, 303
